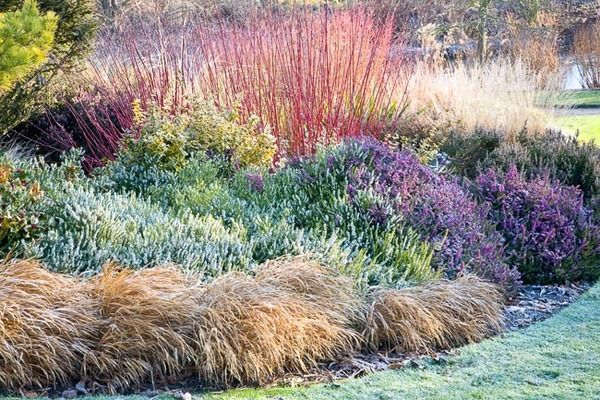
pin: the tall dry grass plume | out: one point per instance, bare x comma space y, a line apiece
501, 95
253, 329
47, 324
438, 315
147, 320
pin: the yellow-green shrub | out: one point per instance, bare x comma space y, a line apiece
223, 132
167, 141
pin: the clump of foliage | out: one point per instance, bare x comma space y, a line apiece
548, 232
123, 328
314, 76
87, 229
168, 141
28, 188
291, 315
563, 158
425, 318
47, 327
26, 36
439, 209
75, 25
158, 307
401, 215
161, 142
21, 206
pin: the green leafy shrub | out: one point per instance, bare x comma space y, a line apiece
166, 144
27, 188
26, 36
20, 207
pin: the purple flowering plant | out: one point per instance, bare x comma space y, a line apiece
401, 189
549, 233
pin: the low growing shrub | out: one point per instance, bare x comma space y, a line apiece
282, 213
396, 217
163, 142
549, 233
314, 194
440, 210
86, 229
210, 233
21, 207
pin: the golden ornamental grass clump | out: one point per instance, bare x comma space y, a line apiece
124, 328
47, 324
289, 317
437, 315
146, 319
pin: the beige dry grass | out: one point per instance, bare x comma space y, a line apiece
501, 96
438, 315
286, 319
46, 325
147, 320
124, 328
315, 282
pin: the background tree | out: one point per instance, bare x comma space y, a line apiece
75, 30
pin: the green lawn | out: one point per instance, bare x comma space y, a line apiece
579, 99
555, 359
588, 126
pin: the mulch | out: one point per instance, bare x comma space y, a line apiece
533, 303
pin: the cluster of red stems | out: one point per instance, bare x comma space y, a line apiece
313, 77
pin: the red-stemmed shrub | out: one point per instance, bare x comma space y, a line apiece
314, 77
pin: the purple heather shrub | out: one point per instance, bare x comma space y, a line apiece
549, 233
255, 182
438, 207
